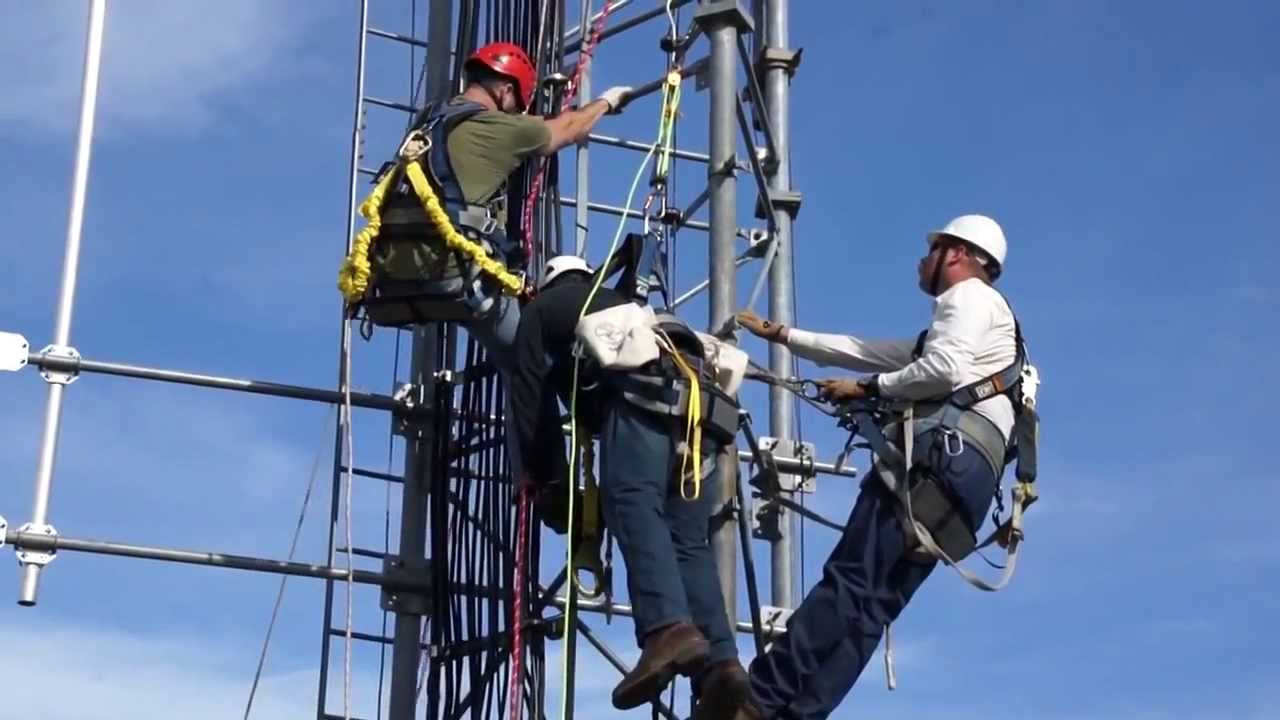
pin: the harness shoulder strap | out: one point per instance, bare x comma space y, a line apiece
440, 120
1006, 381
641, 260
918, 350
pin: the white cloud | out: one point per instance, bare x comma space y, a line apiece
164, 63
91, 673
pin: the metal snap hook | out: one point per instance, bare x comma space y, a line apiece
952, 439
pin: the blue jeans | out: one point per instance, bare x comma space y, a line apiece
865, 584
496, 330
671, 573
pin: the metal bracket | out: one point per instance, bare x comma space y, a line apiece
14, 351
766, 517
412, 399
773, 620
36, 557
773, 58
788, 202
555, 628
61, 377
790, 449
716, 14
399, 600
758, 242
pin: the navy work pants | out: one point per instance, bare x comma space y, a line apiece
865, 584
671, 573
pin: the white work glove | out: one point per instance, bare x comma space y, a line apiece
614, 97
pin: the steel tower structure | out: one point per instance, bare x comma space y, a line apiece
463, 532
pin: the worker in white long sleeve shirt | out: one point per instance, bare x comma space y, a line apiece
972, 336
871, 575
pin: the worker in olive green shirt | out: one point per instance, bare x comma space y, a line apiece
486, 147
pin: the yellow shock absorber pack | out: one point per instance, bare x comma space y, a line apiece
353, 277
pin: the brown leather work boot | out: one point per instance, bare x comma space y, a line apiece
676, 648
724, 690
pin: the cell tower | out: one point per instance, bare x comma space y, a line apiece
471, 611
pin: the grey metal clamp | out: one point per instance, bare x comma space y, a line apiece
61, 377
36, 557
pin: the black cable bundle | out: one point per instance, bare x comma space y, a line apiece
473, 516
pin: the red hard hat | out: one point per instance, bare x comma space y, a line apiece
509, 60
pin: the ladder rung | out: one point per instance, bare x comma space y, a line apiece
328, 716
390, 104
406, 39
355, 635
361, 552
373, 474
367, 171
341, 633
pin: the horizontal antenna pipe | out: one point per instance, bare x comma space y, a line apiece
601, 607
793, 466
654, 86
53, 543
392, 104
257, 387
644, 148
406, 39
620, 212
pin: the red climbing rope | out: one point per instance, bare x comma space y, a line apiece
585, 54
516, 682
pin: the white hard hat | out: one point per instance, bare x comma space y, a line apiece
980, 231
560, 265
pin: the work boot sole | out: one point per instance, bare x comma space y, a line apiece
647, 687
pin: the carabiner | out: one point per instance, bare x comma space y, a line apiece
415, 145
947, 437
644, 212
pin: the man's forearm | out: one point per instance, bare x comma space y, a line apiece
572, 126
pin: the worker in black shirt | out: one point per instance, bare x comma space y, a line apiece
679, 611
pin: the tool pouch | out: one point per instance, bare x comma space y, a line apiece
934, 508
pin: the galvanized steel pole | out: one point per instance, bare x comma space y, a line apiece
722, 21
406, 655
777, 88
581, 179
66, 296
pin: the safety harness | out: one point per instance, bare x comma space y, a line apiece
935, 528
427, 254
671, 379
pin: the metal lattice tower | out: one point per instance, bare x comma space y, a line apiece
445, 586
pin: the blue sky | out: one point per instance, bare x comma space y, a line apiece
1129, 150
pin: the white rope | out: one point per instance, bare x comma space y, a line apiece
349, 464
